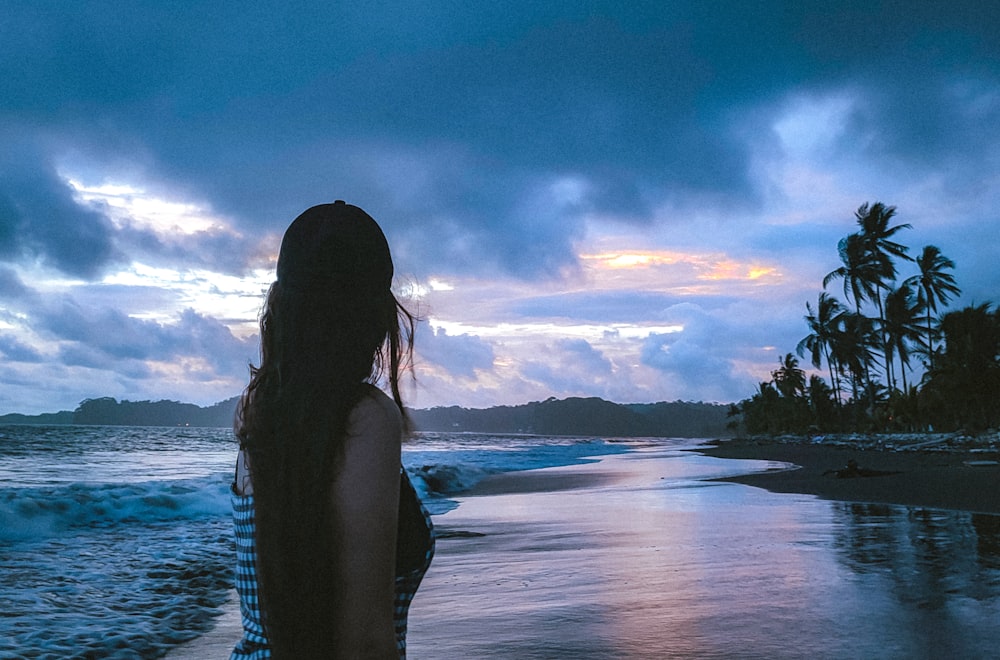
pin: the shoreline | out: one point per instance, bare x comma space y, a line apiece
933, 472
216, 642
493, 516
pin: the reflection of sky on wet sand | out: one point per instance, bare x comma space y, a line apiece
941, 569
654, 562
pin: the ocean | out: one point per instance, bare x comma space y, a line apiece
115, 542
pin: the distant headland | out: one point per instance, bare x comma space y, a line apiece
571, 416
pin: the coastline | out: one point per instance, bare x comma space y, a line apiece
603, 545
921, 471
219, 640
452, 537
644, 555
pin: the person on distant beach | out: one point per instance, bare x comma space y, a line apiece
332, 540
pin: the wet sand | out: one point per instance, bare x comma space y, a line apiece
940, 479
218, 642
584, 555
566, 562
471, 539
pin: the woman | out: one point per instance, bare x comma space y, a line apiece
331, 538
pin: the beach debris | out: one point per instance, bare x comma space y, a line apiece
457, 534
958, 441
852, 470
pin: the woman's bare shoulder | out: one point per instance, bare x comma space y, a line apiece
376, 413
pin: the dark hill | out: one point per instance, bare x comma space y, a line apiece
572, 416
579, 416
109, 411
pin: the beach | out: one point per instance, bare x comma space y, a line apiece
665, 552
959, 479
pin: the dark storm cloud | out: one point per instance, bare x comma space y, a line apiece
925, 77
265, 111
14, 351
111, 332
489, 139
81, 355
11, 286
39, 219
213, 249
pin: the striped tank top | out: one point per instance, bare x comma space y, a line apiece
414, 551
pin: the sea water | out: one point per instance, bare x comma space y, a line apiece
116, 542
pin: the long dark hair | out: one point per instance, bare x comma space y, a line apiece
321, 344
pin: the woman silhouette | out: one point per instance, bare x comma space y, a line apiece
331, 538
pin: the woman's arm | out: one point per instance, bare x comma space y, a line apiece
366, 499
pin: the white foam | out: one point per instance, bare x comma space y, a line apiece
27, 513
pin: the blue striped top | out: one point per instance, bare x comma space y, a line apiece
409, 573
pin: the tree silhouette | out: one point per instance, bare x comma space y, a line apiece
823, 332
874, 223
961, 383
963, 387
789, 380
860, 270
853, 347
876, 234
822, 404
863, 274
934, 286
901, 329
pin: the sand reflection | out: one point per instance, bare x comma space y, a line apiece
636, 556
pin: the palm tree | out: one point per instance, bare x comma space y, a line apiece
760, 411
789, 380
874, 223
860, 270
825, 409
863, 274
852, 348
964, 386
901, 328
823, 328
933, 286
876, 235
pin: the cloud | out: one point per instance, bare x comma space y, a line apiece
39, 219
501, 146
95, 337
15, 351
572, 366
597, 97
455, 131
11, 286
622, 306
686, 365
702, 357
216, 248
459, 355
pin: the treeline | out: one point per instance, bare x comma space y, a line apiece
870, 345
582, 416
56, 418
109, 411
573, 416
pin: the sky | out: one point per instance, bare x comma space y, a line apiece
630, 200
